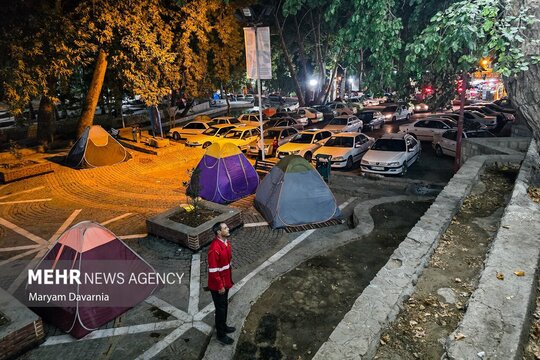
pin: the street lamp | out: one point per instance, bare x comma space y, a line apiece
254, 16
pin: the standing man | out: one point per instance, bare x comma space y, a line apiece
220, 279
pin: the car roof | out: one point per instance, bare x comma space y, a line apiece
224, 117
398, 136
346, 134
240, 127
220, 126
312, 131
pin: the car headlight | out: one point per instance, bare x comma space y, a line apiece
364, 162
338, 158
395, 163
388, 116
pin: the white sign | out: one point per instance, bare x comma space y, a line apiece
265, 56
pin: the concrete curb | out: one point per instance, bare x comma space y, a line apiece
496, 321
240, 304
357, 335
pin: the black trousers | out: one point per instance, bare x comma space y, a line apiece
221, 302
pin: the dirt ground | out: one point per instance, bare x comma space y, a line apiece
299, 311
442, 292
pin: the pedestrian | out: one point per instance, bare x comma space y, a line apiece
220, 279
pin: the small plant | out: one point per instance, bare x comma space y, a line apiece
193, 188
15, 150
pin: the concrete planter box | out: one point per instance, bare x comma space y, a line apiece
9, 175
192, 238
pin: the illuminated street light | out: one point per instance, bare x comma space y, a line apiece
313, 82
351, 80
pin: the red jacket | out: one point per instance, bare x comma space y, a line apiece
219, 265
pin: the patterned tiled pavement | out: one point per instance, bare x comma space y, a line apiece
122, 197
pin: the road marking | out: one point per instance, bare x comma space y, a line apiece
21, 192
98, 334
116, 219
17, 257
134, 236
168, 340
23, 232
346, 203
194, 284
23, 201
15, 248
168, 308
263, 223
22, 276
65, 225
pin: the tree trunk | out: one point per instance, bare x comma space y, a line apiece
46, 121
94, 91
301, 52
523, 91
301, 100
327, 92
189, 105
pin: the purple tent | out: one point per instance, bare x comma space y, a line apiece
226, 175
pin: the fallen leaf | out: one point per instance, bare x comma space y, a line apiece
458, 280
459, 336
519, 273
500, 276
506, 226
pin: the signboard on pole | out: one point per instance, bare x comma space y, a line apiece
262, 48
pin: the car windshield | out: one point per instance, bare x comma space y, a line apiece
210, 131
390, 109
338, 121
366, 116
234, 134
303, 139
272, 134
340, 141
450, 123
389, 145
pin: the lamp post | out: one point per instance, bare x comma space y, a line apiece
253, 16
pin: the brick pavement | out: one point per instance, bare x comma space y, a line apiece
129, 192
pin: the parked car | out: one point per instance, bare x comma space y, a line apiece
391, 154
249, 97
345, 148
273, 137
209, 135
284, 122
445, 143
468, 124
372, 119
489, 121
240, 136
502, 118
345, 123
340, 108
420, 106
328, 114
425, 129
251, 119
192, 128
304, 144
313, 115
301, 119
394, 113
275, 97
227, 120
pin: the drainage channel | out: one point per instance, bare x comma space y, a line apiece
300, 310
437, 306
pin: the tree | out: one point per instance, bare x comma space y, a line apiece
458, 37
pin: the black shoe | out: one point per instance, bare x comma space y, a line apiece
229, 329
225, 340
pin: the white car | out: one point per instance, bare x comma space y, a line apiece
285, 122
445, 144
190, 129
425, 130
397, 112
392, 154
281, 135
226, 120
209, 136
313, 115
345, 148
251, 119
371, 119
345, 123
304, 144
340, 109
240, 136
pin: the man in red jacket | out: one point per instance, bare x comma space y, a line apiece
220, 279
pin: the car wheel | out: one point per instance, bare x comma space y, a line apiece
308, 156
349, 163
176, 136
405, 168
394, 119
206, 144
408, 117
438, 151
